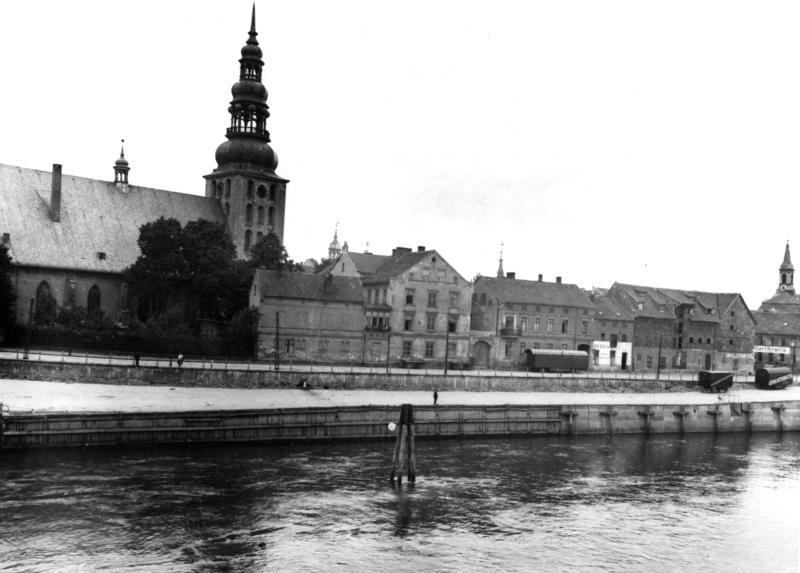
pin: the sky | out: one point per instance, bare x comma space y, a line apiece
652, 143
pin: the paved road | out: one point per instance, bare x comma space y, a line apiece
32, 396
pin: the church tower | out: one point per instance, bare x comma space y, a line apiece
252, 195
786, 274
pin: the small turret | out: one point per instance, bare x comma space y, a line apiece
786, 273
121, 168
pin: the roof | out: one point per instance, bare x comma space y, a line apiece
536, 292
782, 298
306, 286
657, 302
96, 217
610, 309
777, 322
367, 263
394, 265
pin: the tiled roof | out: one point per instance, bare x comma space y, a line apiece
536, 292
608, 308
782, 298
393, 266
278, 284
96, 217
656, 302
367, 263
777, 322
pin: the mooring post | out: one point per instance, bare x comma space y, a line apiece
778, 412
682, 413
747, 410
647, 413
715, 412
609, 414
569, 414
404, 460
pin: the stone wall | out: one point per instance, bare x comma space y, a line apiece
464, 381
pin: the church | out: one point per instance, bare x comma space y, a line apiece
70, 238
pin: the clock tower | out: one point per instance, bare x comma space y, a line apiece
252, 195
786, 273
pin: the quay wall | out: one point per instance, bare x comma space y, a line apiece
20, 431
408, 380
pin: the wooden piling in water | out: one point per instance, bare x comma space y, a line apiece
404, 460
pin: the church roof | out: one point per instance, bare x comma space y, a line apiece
307, 286
96, 217
536, 292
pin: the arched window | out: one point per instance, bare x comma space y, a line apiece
250, 192
273, 192
227, 208
248, 239
248, 214
271, 217
259, 236
262, 191
260, 215
93, 300
783, 279
45, 311
220, 190
227, 188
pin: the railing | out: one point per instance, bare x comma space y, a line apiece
379, 328
510, 331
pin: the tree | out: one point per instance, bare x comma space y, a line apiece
269, 253
6, 290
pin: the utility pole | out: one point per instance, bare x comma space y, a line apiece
658, 365
277, 341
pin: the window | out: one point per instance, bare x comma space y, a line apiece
429, 350
536, 346
483, 298
564, 326
409, 296
523, 323
708, 341
602, 336
649, 360
248, 239
227, 209
441, 276
536, 324
730, 342
731, 327
550, 323
432, 298
406, 348
383, 296
271, 217
408, 321
451, 349
563, 347
93, 300
430, 321
260, 215
509, 322
508, 349
550, 346
613, 338
691, 340
262, 192
455, 298
248, 214
288, 346
273, 191
250, 191
565, 311
323, 346
344, 348
227, 188
584, 327
452, 323
625, 338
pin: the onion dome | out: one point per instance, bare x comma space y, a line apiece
248, 138
121, 166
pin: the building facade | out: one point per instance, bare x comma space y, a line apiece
510, 315
312, 317
613, 347
693, 330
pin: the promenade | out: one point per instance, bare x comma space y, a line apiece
27, 396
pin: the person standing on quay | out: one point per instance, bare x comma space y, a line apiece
435, 397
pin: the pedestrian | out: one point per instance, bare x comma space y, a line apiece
180, 360
136, 358
435, 397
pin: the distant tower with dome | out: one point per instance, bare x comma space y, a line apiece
252, 195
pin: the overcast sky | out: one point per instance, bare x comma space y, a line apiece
644, 142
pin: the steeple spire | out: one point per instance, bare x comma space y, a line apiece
334, 249
786, 273
121, 167
500, 272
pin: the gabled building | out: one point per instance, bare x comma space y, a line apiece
510, 315
613, 347
416, 308
685, 329
312, 317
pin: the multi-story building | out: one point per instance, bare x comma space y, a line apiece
613, 347
778, 321
510, 315
416, 309
313, 317
687, 329
70, 238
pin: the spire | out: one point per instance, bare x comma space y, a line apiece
786, 273
500, 272
248, 138
121, 167
334, 249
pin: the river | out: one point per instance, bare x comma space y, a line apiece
623, 504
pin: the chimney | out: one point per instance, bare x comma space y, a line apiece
540, 278
511, 275
55, 194
421, 249
558, 280
400, 251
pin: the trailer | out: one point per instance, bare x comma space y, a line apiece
775, 378
715, 381
546, 360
